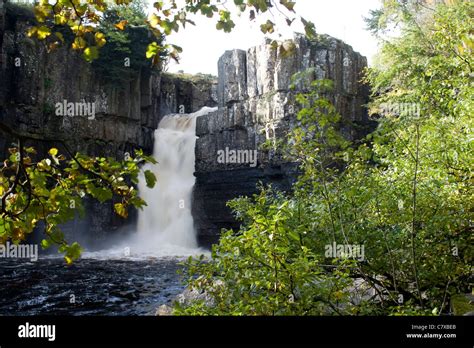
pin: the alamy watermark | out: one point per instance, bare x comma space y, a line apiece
72, 109
21, 251
37, 331
401, 109
229, 156
353, 251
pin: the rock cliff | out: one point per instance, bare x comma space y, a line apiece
256, 103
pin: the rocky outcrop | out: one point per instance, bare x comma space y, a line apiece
183, 93
257, 104
33, 81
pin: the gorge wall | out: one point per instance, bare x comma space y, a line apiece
256, 103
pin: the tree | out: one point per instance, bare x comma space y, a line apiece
404, 193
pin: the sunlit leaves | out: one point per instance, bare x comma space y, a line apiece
158, 5
72, 252
100, 39
121, 25
53, 151
82, 19
41, 32
154, 20
153, 50
79, 43
42, 11
121, 210
123, 2
45, 243
91, 53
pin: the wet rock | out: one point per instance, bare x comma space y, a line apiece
164, 310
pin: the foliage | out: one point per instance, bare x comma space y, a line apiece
48, 192
269, 267
169, 16
404, 193
122, 56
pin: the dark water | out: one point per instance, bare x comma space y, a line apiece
100, 287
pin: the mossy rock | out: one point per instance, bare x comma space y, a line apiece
462, 304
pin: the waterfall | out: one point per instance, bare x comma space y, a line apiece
166, 224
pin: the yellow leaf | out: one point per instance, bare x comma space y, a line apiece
53, 151
152, 50
121, 25
79, 43
100, 39
154, 20
32, 31
43, 32
60, 19
121, 210
91, 53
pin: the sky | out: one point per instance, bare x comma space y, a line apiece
203, 44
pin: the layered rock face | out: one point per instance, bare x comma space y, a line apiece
182, 93
34, 81
256, 103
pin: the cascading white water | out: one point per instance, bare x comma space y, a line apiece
166, 224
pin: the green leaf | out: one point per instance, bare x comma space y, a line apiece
45, 244
43, 32
288, 4
150, 178
91, 53
121, 210
268, 27
152, 50
102, 194
309, 28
